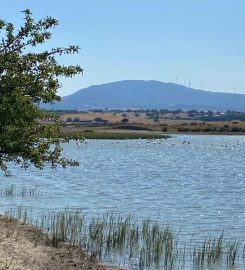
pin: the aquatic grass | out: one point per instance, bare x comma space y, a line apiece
8, 191
31, 192
210, 252
115, 236
64, 226
232, 252
12, 191
243, 252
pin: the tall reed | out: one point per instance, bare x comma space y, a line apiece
147, 243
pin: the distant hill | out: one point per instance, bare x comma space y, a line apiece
139, 94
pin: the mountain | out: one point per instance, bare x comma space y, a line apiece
139, 94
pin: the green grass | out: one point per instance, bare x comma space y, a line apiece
113, 135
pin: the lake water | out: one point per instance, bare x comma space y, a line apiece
195, 184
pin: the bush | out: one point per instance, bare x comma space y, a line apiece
207, 129
183, 129
100, 120
196, 130
76, 119
177, 111
236, 129
163, 111
124, 120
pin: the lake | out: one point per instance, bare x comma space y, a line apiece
195, 184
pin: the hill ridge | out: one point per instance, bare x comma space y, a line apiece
152, 94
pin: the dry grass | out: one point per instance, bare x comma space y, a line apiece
110, 117
173, 124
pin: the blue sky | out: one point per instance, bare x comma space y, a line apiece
201, 42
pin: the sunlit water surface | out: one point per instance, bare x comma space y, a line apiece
195, 184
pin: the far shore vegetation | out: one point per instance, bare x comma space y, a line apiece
146, 124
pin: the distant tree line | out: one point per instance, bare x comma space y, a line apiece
156, 114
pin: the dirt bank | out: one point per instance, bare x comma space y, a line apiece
23, 247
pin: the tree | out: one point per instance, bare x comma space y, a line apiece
100, 120
76, 119
124, 120
27, 78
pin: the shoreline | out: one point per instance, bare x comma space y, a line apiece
130, 136
134, 132
25, 247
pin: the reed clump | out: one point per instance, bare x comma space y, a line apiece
143, 244
13, 191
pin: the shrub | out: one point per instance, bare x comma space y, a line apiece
236, 129
124, 120
100, 120
76, 119
196, 130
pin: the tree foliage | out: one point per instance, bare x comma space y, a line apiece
28, 77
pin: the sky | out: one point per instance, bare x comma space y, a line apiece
193, 42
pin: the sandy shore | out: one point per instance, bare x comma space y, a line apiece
23, 247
